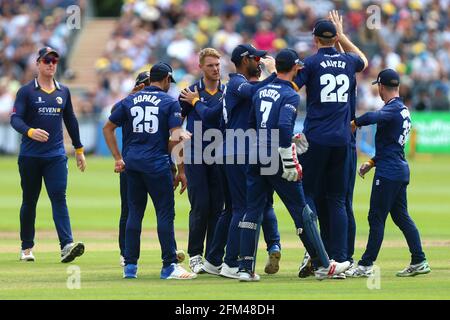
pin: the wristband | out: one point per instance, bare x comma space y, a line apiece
79, 150
194, 101
371, 162
30, 132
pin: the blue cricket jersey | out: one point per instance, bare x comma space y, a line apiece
393, 126
275, 107
211, 100
237, 103
147, 117
328, 76
36, 108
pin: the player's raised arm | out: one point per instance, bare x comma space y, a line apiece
344, 41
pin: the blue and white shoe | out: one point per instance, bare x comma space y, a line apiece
130, 271
415, 269
273, 260
177, 272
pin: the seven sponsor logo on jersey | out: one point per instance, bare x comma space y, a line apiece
50, 111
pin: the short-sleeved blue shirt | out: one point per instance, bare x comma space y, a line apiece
147, 118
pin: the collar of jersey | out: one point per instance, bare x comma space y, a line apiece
288, 83
328, 50
37, 86
152, 88
237, 74
394, 99
201, 86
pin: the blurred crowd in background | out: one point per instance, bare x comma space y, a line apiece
413, 38
25, 27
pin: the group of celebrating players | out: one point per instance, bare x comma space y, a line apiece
232, 196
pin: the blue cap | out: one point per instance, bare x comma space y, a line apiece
287, 58
161, 70
324, 29
45, 51
142, 77
388, 77
243, 50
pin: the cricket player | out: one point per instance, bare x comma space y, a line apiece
205, 185
306, 269
328, 77
236, 109
39, 110
391, 178
142, 81
151, 116
275, 110
226, 228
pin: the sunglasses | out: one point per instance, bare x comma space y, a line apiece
48, 60
256, 58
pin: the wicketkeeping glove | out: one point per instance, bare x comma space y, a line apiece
300, 143
292, 170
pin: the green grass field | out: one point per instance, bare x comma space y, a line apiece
93, 199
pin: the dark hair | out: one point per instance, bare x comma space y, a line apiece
238, 63
282, 67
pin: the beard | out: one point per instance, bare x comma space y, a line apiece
255, 72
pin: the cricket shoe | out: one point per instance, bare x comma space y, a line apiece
359, 272
211, 269
177, 272
333, 269
306, 268
130, 271
71, 251
181, 256
415, 269
340, 276
122, 261
229, 272
27, 255
248, 276
273, 260
196, 264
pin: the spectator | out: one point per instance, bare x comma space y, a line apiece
440, 100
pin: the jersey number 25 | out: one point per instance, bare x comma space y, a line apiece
149, 115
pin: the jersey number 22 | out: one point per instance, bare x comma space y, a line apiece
330, 82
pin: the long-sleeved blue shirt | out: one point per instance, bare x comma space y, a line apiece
207, 111
36, 108
237, 103
328, 77
393, 126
